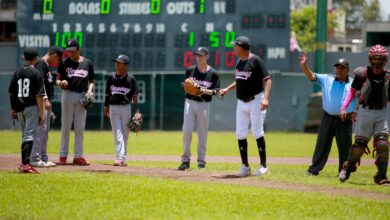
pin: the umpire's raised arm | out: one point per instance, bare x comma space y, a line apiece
303, 60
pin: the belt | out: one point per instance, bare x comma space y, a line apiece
336, 117
372, 107
247, 99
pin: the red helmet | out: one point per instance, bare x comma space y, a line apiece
379, 54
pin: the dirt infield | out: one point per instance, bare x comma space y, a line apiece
11, 161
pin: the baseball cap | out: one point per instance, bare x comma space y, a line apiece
342, 62
122, 59
30, 53
202, 51
242, 42
72, 45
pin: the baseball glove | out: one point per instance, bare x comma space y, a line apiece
135, 123
87, 101
191, 87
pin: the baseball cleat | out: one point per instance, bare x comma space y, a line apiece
310, 173
50, 164
121, 163
27, 169
261, 171
383, 182
244, 171
80, 161
201, 166
184, 166
38, 163
62, 161
344, 175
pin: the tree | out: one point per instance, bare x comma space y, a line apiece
303, 24
372, 12
358, 11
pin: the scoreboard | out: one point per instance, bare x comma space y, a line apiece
158, 35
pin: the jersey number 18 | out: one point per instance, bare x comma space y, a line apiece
23, 87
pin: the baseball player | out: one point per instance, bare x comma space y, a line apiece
39, 156
253, 85
76, 78
334, 90
26, 92
121, 89
196, 108
372, 82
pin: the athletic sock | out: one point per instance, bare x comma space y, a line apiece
243, 146
26, 151
261, 146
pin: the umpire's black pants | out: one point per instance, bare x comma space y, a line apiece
331, 126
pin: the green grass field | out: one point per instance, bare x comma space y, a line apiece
92, 195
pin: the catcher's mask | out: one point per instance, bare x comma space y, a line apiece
378, 56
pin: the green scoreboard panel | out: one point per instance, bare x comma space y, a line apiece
158, 35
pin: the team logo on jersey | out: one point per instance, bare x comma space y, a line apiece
119, 90
76, 73
242, 74
204, 84
377, 81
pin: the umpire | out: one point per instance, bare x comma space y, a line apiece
334, 90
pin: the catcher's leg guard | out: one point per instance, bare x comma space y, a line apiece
356, 152
381, 147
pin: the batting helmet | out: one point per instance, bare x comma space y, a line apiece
377, 56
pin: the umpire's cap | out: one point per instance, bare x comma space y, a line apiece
122, 59
342, 62
72, 45
30, 53
201, 51
242, 42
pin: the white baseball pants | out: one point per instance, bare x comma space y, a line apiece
250, 113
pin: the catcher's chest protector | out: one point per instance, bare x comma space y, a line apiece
366, 90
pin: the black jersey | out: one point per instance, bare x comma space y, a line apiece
43, 67
250, 75
78, 74
207, 80
120, 90
26, 83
